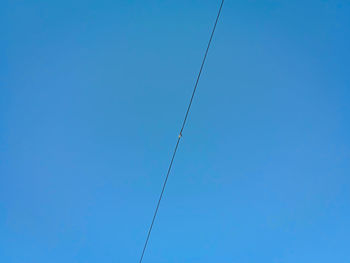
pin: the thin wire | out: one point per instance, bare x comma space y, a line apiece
180, 134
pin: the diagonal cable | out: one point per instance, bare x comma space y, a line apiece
180, 134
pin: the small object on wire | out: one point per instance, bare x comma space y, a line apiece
180, 134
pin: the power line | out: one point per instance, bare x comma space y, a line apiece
180, 134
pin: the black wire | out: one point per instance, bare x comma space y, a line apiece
180, 134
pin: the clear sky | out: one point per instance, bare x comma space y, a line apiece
92, 96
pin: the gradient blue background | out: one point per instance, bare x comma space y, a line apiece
92, 96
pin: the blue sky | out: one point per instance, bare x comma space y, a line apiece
92, 96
